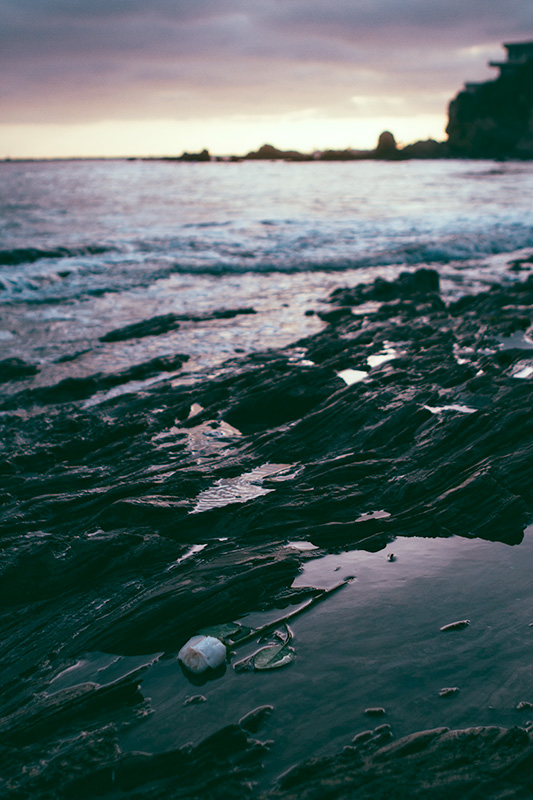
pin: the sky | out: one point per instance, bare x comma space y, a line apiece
131, 77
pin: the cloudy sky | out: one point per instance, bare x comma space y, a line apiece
132, 77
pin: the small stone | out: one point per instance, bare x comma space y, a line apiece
448, 691
362, 737
382, 738
460, 625
391, 557
194, 700
385, 728
375, 712
252, 721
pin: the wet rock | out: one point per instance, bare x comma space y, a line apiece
73, 389
449, 691
252, 721
96, 501
162, 618
155, 326
164, 323
46, 714
409, 284
15, 369
92, 765
479, 762
375, 712
460, 625
195, 700
362, 737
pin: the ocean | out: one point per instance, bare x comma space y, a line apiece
90, 246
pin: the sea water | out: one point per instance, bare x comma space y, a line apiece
90, 246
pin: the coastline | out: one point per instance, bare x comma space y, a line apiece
404, 417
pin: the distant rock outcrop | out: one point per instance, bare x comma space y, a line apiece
428, 148
495, 119
342, 155
386, 146
203, 155
270, 153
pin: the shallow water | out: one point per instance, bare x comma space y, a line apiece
375, 643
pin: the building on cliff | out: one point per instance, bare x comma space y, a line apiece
518, 54
495, 119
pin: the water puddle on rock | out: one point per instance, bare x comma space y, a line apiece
461, 409
351, 376
377, 642
241, 489
523, 370
517, 341
387, 354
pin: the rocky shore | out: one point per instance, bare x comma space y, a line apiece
131, 524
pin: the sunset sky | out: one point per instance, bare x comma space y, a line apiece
125, 77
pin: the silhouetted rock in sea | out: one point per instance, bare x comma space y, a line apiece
386, 146
268, 152
428, 148
401, 402
387, 149
203, 155
168, 322
344, 155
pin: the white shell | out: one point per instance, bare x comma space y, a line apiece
201, 653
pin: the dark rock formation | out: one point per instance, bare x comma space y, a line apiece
99, 504
203, 155
488, 763
164, 323
386, 146
494, 119
14, 369
428, 148
268, 152
344, 155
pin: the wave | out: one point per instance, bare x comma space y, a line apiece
28, 255
142, 263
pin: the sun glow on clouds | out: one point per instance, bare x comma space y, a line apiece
305, 131
126, 77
